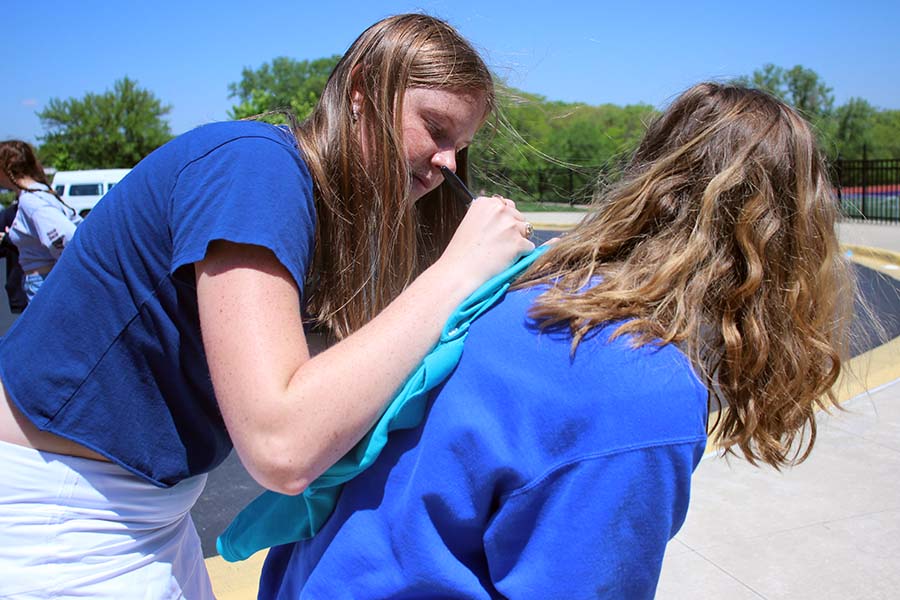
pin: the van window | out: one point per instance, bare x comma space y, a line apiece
59, 189
86, 189
109, 186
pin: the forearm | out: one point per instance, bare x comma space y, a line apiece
337, 396
291, 417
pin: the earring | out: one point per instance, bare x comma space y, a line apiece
354, 112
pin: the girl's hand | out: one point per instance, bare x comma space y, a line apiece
490, 237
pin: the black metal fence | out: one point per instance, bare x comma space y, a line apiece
869, 189
548, 184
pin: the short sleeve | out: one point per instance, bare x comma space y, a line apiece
249, 190
42, 216
595, 528
53, 228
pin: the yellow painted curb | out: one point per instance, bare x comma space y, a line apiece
878, 259
235, 581
871, 370
878, 253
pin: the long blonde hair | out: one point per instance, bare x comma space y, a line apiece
720, 238
369, 243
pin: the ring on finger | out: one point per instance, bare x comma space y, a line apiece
529, 229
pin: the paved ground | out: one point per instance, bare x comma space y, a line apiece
827, 529
871, 235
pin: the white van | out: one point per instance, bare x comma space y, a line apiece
83, 189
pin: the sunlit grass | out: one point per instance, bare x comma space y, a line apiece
531, 206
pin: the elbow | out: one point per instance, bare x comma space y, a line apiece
279, 472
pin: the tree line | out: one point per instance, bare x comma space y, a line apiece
533, 147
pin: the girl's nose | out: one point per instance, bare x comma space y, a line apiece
445, 158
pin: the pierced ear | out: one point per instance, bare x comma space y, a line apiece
356, 103
356, 89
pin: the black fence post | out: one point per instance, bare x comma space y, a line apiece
837, 170
865, 181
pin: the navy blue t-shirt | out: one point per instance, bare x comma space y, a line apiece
109, 353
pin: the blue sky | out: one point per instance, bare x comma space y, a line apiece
593, 51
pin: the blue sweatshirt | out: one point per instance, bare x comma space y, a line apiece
536, 474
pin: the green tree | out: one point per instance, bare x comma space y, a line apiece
850, 129
550, 150
284, 84
808, 93
843, 132
114, 129
511, 137
800, 87
885, 135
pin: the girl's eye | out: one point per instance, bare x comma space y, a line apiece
434, 129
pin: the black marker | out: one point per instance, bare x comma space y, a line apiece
457, 184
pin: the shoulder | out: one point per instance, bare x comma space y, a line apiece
243, 182
224, 131
224, 155
30, 201
250, 141
602, 365
261, 148
555, 405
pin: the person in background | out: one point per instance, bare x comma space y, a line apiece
173, 326
44, 224
15, 291
555, 461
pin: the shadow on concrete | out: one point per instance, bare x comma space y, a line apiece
881, 323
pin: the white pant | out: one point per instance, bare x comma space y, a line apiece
78, 528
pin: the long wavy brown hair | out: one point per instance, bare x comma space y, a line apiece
18, 160
370, 242
720, 238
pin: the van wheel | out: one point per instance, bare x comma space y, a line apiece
84, 213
